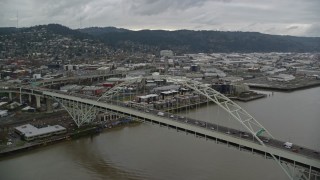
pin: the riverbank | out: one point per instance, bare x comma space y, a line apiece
244, 97
249, 97
297, 84
22, 146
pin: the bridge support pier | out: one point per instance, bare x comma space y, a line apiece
20, 96
38, 104
10, 96
30, 98
49, 105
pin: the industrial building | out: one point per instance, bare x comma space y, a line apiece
170, 93
281, 77
92, 90
165, 88
3, 113
166, 53
30, 133
70, 67
71, 88
147, 98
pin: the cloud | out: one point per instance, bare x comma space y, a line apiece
152, 7
292, 17
314, 30
293, 27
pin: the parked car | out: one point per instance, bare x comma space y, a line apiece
160, 114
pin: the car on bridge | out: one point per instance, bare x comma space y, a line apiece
245, 135
288, 145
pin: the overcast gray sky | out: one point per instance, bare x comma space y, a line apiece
292, 17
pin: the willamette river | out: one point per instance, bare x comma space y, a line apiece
150, 152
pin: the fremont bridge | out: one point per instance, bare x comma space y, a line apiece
253, 138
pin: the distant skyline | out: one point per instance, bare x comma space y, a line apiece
283, 17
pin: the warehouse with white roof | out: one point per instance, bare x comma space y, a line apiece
29, 132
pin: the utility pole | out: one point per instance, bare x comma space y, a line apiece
17, 20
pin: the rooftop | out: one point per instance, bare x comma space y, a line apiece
28, 130
148, 96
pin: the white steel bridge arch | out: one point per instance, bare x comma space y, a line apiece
237, 112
